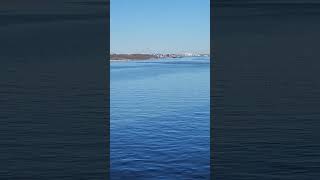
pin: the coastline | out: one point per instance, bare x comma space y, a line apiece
140, 57
128, 57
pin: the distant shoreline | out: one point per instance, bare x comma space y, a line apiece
117, 57
128, 57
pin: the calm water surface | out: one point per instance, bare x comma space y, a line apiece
266, 90
160, 119
53, 94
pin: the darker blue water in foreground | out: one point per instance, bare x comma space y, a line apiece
160, 125
266, 91
53, 91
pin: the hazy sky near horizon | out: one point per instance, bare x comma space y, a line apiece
160, 26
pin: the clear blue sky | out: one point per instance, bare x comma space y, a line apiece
160, 26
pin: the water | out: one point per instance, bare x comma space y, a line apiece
53, 94
266, 92
160, 119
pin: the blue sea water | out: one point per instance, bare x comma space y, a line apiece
53, 95
160, 124
266, 90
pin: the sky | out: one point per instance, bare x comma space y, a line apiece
159, 26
